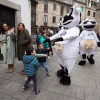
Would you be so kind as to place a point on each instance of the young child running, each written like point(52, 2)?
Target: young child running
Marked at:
point(43, 60)
point(31, 66)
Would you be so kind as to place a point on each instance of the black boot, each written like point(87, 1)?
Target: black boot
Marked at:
point(60, 73)
point(81, 63)
point(90, 59)
point(65, 80)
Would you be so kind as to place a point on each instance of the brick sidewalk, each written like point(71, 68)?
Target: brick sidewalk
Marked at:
point(85, 82)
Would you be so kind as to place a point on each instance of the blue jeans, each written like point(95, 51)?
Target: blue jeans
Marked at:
point(44, 64)
point(33, 77)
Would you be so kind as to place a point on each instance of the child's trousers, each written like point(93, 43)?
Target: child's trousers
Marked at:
point(44, 64)
point(33, 77)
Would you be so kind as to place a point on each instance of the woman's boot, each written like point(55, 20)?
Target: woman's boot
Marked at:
point(11, 68)
point(22, 72)
point(8, 68)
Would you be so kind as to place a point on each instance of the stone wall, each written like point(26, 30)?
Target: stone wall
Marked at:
point(51, 12)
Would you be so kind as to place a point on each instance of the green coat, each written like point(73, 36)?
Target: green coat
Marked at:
point(8, 47)
point(22, 41)
point(41, 40)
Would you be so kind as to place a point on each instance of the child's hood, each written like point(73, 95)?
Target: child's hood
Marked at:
point(28, 58)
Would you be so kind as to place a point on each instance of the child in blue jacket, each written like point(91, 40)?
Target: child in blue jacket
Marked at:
point(31, 66)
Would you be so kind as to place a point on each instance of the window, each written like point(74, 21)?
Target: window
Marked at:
point(7, 15)
point(54, 6)
point(54, 19)
point(91, 3)
point(61, 10)
point(46, 7)
point(93, 14)
point(60, 18)
point(88, 13)
point(81, 9)
point(45, 20)
point(95, 4)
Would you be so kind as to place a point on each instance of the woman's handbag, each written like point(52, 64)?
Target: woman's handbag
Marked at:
point(89, 44)
point(58, 48)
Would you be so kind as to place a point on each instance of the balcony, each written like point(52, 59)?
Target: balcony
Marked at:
point(81, 1)
point(65, 1)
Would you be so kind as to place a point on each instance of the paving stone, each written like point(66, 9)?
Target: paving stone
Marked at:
point(92, 94)
point(44, 83)
point(5, 97)
point(70, 98)
point(4, 84)
point(16, 77)
point(56, 87)
point(98, 84)
point(85, 82)
point(1, 80)
point(56, 78)
point(6, 75)
point(46, 95)
point(15, 90)
point(3, 68)
point(75, 91)
point(15, 99)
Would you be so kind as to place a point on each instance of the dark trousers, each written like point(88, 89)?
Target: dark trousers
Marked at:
point(50, 47)
point(33, 77)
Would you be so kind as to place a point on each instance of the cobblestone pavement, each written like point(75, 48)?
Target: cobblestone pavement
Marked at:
point(85, 82)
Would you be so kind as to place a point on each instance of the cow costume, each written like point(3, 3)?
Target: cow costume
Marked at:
point(88, 42)
point(67, 43)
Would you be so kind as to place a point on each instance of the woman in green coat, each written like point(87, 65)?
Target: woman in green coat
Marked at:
point(42, 38)
point(8, 38)
point(23, 40)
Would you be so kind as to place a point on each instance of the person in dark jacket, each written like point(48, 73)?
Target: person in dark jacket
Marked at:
point(43, 60)
point(31, 66)
point(23, 40)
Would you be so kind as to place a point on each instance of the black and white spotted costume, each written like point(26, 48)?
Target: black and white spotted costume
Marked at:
point(88, 33)
point(68, 36)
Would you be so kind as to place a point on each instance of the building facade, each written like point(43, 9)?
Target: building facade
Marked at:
point(98, 17)
point(98, 13)
point(91, 9)
point(16, 11)
point(50, 12)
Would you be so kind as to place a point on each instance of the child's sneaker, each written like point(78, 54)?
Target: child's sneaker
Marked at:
point(24, 89)
point(37, 91)
point(49, 57)
point(48, 74)
point(31, 82)
point(52, 53)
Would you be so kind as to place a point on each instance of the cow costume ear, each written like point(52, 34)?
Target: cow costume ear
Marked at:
point(76, 9)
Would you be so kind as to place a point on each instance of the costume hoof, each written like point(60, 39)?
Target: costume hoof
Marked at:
point(65, 80)
point(91, 60)
point(60, 73)
point(81, 63)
